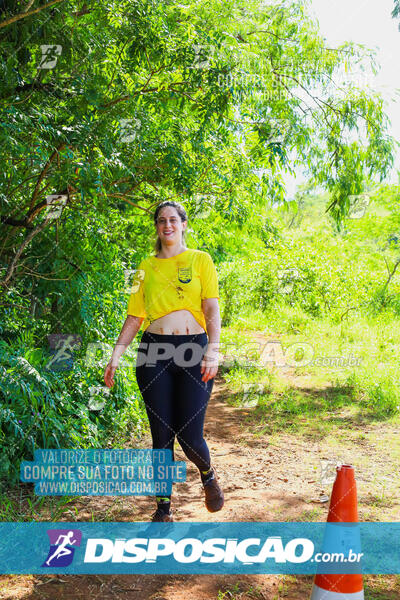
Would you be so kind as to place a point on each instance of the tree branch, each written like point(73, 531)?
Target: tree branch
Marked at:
point(143, 90)
point(15, 222)
point(18, 253)
point(27, 7)
point(43, 174)
point(122, 197)
point(397, 263)
point(27, 14)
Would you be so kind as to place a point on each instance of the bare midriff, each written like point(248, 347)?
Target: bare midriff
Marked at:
point(178, 322)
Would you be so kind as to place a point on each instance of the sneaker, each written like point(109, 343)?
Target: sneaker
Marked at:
point(214, 495)
point(159, 516)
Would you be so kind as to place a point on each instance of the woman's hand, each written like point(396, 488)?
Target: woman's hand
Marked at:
point(109, 374)
point(209, 366)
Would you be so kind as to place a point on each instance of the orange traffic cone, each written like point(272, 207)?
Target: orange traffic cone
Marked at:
point(342, 509)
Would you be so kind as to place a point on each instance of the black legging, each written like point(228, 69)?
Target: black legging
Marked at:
point(174, 394)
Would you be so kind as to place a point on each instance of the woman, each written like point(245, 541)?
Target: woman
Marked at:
point(176, 295)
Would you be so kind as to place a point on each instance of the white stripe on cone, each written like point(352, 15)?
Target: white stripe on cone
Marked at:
point(320, 594)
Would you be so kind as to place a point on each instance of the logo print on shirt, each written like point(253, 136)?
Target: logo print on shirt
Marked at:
point(185, 274)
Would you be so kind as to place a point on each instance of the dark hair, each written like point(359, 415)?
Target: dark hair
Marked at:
point(181, 212)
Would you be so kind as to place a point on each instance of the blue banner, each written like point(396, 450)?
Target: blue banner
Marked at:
point(200, 548)
point(99, 472)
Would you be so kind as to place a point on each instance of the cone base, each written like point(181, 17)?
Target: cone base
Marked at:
point(320, 594)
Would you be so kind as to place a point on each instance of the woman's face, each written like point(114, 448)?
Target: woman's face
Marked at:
point(170, 226)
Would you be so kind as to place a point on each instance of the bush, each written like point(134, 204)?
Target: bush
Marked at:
point(234, 285)
point(40, 408)
point(381, 397)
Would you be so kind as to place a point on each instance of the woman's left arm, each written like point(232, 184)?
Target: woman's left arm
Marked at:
point(209, 364)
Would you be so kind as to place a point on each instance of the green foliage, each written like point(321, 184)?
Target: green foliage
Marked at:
point(316, 269)
point(138, 101)
point(40, 408)
point(233, 279)
point(339, 292)
point(381, 397)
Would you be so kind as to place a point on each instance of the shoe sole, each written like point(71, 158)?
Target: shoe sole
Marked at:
point(214, 510)
point(171, 520)
point(219, 507)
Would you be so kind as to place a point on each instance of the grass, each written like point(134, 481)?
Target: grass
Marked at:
point(240, 591)
point(21, 504)
point(311, 412)
point(349, 413)
point(368, 383)
point(381, 587)
point(373, 342)
point(376, 587)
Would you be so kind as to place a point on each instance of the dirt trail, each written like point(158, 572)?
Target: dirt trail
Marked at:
point(252, 476)
point(264, 479)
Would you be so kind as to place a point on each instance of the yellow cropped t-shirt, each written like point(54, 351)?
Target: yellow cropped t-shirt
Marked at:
point(163, 285)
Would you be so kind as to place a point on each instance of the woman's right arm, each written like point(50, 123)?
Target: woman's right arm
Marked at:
point(128, 332)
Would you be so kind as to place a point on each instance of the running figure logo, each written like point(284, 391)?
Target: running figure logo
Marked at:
point(61, 552)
